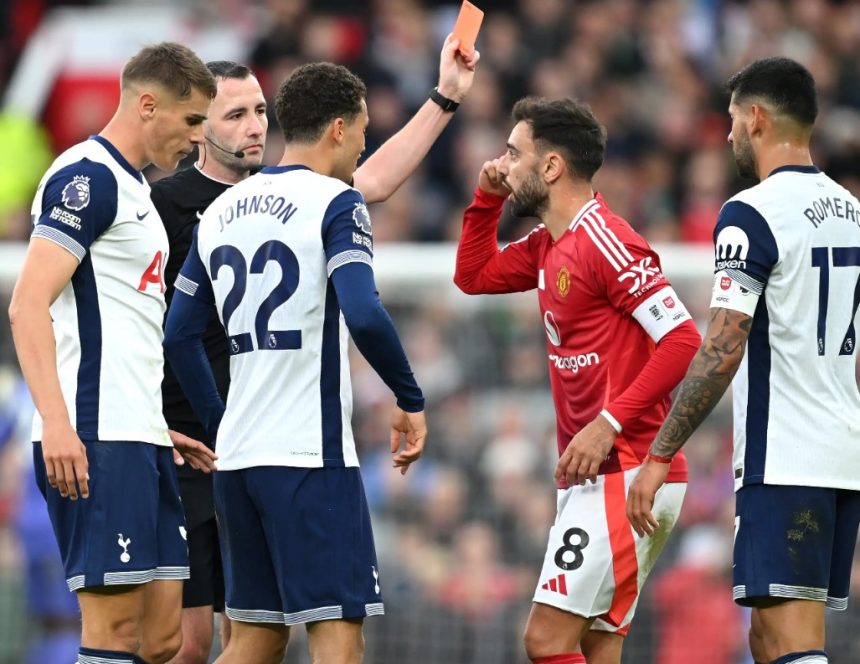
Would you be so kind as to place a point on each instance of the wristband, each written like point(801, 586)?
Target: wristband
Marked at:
point(658, 459)
point(615, 423)
point(447, 105)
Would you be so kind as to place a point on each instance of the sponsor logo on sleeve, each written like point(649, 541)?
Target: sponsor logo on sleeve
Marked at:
point(640, 274)
point(725, 283)
point(76, 194)
point(669, 302)
point(361, 217)
point(733, 245)
point(655, 312)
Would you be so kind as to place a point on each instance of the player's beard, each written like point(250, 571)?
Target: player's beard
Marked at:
point(744, 156)
point(531, 198)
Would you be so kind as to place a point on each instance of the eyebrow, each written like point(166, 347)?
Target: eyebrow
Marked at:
point(196, 116)
point(511, 146)
point(238, 109)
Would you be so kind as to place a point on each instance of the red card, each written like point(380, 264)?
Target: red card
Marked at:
point(467, 26)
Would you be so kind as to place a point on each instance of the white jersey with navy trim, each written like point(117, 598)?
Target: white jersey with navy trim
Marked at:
point(108, 320)
point(788, 254)
point(263, 254)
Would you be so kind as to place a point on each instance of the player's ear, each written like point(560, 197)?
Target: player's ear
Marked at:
point(337, 130)
point(553, 167)
point(146, 104)
point(758, 119)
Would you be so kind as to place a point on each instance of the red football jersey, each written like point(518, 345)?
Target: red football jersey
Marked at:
point(603, 299)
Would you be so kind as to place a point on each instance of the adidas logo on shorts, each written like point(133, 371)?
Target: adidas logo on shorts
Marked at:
point(556, 585)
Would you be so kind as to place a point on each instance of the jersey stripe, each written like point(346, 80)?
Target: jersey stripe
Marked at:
point(90, 339)
point(332, 419)
point(58, 237)
point(599, 244)
point(614, 238)
point(758, 395)
point(344, 257)
point(625, 566)
point(593, 203)
point(611, 242)
point(186, 285)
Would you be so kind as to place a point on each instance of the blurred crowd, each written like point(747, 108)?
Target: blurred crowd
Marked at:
point(461, 539)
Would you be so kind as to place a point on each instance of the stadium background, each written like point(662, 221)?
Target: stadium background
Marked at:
point(461, 537)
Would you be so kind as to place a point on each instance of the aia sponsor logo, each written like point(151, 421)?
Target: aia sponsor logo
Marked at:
point(154, 273)
point(562, 281)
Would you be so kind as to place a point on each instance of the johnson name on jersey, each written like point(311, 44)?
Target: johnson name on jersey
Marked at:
point(263, 255)
point(788, 254)
point(107, 320)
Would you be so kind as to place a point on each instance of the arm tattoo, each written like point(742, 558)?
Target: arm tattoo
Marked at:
point(707, 379)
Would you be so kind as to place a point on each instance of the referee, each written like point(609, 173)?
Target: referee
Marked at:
point(235, 138)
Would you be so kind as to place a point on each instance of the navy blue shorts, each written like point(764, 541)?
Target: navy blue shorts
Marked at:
point(794, 542)
point(297, 545)
point(131, 529)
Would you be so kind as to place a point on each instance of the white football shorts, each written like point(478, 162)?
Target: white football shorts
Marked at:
point(595, 563)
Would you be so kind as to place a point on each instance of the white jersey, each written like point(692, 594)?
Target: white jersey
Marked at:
point(108, 318)
point(788, 254)
point(263, 253)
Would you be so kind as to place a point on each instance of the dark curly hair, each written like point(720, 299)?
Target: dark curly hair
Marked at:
point(568, 126)
point(314, 95)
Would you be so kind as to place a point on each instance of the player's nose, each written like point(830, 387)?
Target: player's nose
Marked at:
point(196, 136)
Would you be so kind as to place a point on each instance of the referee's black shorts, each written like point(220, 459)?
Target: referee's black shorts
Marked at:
point(206, 585)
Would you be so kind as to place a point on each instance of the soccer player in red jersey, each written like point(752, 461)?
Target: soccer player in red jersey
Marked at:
point(618, 341)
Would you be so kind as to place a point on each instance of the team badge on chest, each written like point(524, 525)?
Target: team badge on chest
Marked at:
point(562, 281)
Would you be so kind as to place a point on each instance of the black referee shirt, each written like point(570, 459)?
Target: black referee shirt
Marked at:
point(180, 200)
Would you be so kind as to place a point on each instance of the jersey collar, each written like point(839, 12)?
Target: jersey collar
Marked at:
point(117, 155)
point(796, 169)
point(285, 169)
point(585, 209)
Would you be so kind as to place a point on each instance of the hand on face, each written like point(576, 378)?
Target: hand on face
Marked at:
point(491, 179)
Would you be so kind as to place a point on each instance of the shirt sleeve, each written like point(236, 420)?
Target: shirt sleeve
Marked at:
point(481, 266)
point(346, 231)
point(193, 280)
point(190, 312)
point(374, 334)
point(629, 273)
point(79, 203)
point(745, 252)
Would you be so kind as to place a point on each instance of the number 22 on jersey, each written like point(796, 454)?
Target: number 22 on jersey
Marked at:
point(266, 339)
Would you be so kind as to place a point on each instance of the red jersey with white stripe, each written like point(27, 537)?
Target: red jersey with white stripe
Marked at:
point(606, 306)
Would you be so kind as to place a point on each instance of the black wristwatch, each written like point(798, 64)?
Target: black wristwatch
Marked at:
point(447, 105)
